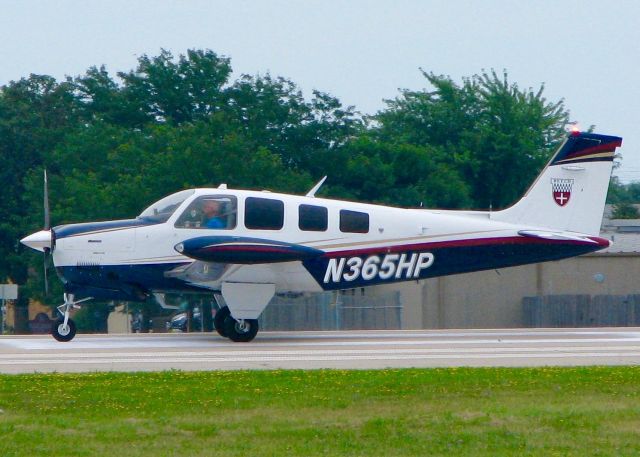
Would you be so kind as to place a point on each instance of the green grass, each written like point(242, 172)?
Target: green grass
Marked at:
point(463, 411)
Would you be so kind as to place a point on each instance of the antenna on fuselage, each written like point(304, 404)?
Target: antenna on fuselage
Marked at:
point(314, 189)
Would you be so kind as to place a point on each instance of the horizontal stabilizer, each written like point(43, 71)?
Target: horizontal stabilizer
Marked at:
point(564, 237)
point(244, 250)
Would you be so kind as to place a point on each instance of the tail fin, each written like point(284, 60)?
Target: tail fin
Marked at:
point(570, 192)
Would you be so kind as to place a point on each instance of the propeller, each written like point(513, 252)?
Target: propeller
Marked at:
point(44, 240)
point(47, 227)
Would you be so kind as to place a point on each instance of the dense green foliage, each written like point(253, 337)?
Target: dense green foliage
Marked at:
point(623, 193)
point(497, 136)
point(114, 144)
point(454, 411)
point(624, 211)
point(622, 197)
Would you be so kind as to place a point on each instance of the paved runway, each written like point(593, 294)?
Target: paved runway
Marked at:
point(308, 350)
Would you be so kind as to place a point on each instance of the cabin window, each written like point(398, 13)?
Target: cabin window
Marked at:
point(263, 214)
point(213, 212)
point(354, 221)
point(312, 218)
point(162, 210)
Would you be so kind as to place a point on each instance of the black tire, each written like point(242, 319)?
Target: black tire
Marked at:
point(56, 330)
point(238, 334)
point(218, 320)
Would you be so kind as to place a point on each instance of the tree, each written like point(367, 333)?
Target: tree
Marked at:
point(397, 174)
point(623, 193)
point(273, 113)
point(625, 211)
point(496, 135)
point(177, 92)
point(35, 114)
point(114, 144)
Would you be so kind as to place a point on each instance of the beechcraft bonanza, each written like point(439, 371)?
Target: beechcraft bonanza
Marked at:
point(246, 246)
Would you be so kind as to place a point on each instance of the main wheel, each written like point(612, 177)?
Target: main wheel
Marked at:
point(62, 333)
point(218, 320)
point(240, 332)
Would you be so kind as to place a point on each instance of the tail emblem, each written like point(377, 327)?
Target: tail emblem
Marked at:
point(561, 190)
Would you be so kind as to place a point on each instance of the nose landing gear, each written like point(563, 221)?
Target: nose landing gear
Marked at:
point(64, 329)
point(63, 332)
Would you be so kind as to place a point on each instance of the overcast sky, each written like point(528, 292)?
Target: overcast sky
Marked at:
point(587, 52)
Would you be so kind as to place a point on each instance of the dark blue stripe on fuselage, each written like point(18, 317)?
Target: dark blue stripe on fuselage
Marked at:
point(62, 231)
point(124, 282)
point(132, 282)
point(446, 261)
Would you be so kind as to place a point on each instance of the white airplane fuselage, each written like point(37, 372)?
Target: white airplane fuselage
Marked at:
point(400, 245)
point(249, 245)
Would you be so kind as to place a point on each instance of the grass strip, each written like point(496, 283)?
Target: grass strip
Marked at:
point(393, 412)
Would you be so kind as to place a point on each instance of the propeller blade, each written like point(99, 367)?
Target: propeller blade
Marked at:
point(47, 226)
point(47, 220)
point(46, 268)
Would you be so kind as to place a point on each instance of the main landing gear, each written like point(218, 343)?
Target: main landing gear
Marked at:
point(243, 304)
point(238, 330)
point(64, 329)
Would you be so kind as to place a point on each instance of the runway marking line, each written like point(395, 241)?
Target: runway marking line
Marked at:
point(321, 358)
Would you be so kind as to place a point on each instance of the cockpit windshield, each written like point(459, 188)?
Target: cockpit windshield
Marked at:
point(162, 210)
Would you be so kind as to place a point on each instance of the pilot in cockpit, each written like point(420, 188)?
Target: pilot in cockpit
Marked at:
point(212, 211)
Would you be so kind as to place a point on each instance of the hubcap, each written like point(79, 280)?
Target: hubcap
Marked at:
point(242, 326)
point(64, 329)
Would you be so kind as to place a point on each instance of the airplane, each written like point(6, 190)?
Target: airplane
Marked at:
point(244, 246)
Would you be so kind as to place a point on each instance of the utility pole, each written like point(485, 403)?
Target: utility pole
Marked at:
point(7, 292)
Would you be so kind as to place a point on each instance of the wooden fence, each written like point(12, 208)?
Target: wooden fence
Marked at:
point(581, 311)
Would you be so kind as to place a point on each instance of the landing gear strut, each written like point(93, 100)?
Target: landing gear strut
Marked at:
point(64, 329)
point(245, 302)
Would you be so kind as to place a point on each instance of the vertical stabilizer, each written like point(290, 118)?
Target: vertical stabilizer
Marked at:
point(570, 192)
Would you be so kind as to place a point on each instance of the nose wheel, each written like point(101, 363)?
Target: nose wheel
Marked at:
point(64, 329)
point(63, 332)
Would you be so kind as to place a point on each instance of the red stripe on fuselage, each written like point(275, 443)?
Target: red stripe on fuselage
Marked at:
point(250, 249)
